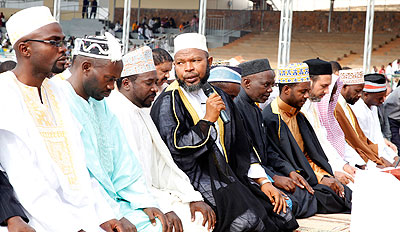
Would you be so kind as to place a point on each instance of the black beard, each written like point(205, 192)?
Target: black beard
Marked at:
point(315, 99)
point(195, 87)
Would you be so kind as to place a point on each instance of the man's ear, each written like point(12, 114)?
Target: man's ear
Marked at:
point(126, 84)
point(24, 49)
point(286, 90)
point(210, 60)
point(86, 66)
point(246, 83)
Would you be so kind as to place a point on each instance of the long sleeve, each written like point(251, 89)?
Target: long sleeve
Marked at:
point(184, 141)
point(9, 205)
point(352, 157)
point(35, 193)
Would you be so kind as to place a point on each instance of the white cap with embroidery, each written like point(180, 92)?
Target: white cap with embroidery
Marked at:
point(138, 61)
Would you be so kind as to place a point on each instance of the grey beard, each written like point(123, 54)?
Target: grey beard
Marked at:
point(315, 99)
point(191, 88)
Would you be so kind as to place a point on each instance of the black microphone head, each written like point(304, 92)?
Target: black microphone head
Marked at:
point(207, 88)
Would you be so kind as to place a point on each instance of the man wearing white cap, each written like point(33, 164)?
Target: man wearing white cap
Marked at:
point(169, 184)
point(351, 92)
point(40, 146)
point(96, 65)
point(216, 155)
point(289, 131)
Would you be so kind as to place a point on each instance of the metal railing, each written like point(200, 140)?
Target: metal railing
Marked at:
point(223, 25)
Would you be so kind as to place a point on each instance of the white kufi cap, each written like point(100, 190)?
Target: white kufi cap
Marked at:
point(28, 20)
point(190, 40)
point(138, 61)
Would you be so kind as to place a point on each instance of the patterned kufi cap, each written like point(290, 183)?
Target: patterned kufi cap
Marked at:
point(225, 74)
point(293, 73)
point(352, 76)
point(28, 20)
point(138, 61)
point(100, 47)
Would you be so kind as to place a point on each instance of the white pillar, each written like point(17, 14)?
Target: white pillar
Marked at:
point(285, 33)
point(369, 31)
point(57, 9)
point(202, 17)
point(138, 14)
point(330, 16)
point(126, 26)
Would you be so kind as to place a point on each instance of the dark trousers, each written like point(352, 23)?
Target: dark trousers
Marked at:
point(93, 12)
point(395, 129)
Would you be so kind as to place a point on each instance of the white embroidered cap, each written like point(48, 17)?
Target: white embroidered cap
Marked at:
point(28, 20)
point(100, 47)
point(138, 61)
point(190, 40)
point(352, 76)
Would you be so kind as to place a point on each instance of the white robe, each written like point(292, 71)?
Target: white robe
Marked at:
point(369, 123)
point(49, 176)
point(309, 109)
point(169, 184)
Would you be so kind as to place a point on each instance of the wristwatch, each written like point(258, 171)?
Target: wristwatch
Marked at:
point(264, 182)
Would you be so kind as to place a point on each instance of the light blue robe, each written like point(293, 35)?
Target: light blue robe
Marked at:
point(111, 161)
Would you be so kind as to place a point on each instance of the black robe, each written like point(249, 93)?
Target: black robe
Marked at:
point(304, 203)
point(9, 205)
point(222, 179)
point(279, 134)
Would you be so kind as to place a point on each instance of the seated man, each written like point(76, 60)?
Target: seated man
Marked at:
point(353, 81)
point(321, 76)
point(226, 78)
point(215, 155)
point(97, 63)
point(290, 131)
point(169, 184)
point(40, 148)
point(11, 212)
point(256, 86)
point(366, 111)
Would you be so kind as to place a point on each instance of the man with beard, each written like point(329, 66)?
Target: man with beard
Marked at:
point(320, 72)
point(97, 64)
point(290, 131)
point(216, 155)
point(41, 151)
point(256, 86)
point(353, 81)
point(226, 78)
point(169, 184)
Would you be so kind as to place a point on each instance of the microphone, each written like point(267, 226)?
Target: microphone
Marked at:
point(208, 90)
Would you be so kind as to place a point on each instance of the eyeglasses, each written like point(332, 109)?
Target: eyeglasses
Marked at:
point(58, 43)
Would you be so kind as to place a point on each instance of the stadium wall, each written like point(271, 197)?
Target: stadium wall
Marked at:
point(313, 21)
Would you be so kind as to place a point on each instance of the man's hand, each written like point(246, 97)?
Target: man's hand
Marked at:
point(112, 226)
point(153, 213)
point(127, 225)
point(350, 170)
point(16, 224)
point(214, 105)
point(334, 184)
point(391, 145)
point(395, 160)
point(275, 196)
point(174, 222)
point(343, 178)
point(208, 214)
point(285, 183)
point(300, 181)
point(386, 163)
